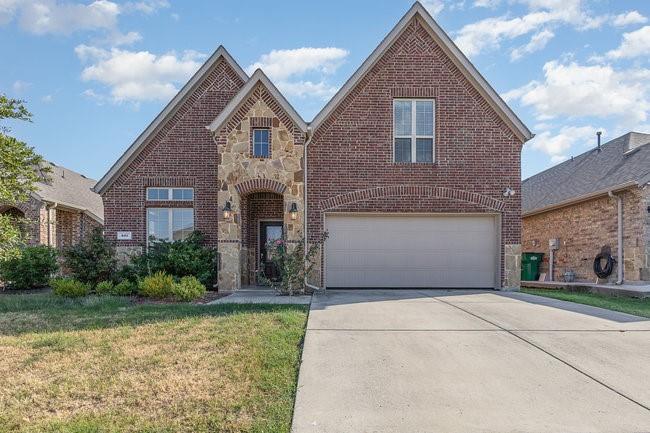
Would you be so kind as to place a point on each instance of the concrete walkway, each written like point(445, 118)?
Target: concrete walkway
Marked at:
point(470, 361)
point(261, 295)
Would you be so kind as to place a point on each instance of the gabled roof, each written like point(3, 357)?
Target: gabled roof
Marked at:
point(451, 50)
point(621, 163)
point(166, 113)
point(72, 190)
point(258, 77)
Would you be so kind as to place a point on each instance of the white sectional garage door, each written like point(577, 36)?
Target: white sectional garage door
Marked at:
point(397, 251)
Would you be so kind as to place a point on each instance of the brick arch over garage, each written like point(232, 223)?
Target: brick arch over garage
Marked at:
point(260, 185)
point(412, 190)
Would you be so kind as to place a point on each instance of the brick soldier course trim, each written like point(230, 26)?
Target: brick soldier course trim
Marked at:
point(412, 191)
point(260, 185)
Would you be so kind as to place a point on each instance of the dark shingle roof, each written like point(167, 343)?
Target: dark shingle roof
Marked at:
point(624, 159)
point(72, 189)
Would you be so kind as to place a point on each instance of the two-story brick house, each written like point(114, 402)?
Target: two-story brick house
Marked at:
point(412, 168)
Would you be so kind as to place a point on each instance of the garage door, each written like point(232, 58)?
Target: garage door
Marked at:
point(453, 251)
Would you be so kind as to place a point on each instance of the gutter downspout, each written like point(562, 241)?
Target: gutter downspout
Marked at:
point(305, 221)
point(619, 205)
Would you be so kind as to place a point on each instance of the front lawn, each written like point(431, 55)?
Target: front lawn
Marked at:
point(638, 307)
point(107, 364)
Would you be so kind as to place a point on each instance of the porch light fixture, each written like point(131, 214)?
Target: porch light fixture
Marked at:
point(293, 212)
point(227, 210)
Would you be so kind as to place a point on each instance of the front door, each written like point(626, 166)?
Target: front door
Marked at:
point(269, 231)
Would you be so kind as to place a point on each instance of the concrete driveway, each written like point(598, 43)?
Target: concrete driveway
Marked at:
point(470, 361)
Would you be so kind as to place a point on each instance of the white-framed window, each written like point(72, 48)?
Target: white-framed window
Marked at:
point(169, 224)
point(170, 194)
point(261, 145)
point(414, 130)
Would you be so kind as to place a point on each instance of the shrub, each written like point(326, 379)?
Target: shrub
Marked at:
point(91, 260)
point(159, 286)
point(13, 236)
point(31, 268)
point(104, 288)
point(69, 287)
point(292, 263)
point(123, 288)
point(188, 289)
point(187, 257)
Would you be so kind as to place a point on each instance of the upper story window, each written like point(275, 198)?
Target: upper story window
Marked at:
point(413, 130)
point(164, 194)
point(261, 148)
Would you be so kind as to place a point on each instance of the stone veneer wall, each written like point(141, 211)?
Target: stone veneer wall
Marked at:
point(284, 167)
point(586, 228)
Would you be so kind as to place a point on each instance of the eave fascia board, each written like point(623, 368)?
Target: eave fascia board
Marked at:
point(258, 77)
point(451, 50)
point(582, 198)
point(169, 110)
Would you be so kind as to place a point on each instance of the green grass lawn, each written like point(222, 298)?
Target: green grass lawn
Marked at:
point(104, 364)
point(638, 307)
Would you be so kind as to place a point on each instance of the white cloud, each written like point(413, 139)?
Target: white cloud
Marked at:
point(288, 68)
point(49, 16)
point(302, 89)
point(489, 33)
point(42, 17)
point(574, 90)
point(486, 3)
point(634, 44)
point(282, 64)
point(137, 75)
point(434, 7)
point(557, 145)
point(146, 6)
point(626, 19)
point(116, 39)
point(47, 99)
point(537, 42)
point(20, 86)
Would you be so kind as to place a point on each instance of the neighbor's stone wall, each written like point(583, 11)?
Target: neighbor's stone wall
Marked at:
point(586, 228)
point(237, 166)
point(476, 155)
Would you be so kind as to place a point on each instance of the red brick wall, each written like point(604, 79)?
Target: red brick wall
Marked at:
point(474, 150)
point(584, 229)
point(182, 153)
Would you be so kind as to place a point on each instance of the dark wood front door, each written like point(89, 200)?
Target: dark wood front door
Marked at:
point(269, 231)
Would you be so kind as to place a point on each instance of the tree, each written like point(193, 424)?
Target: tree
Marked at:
point(20, 169)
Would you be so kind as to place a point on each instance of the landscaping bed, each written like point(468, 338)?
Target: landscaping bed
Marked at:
point(111, 364)
point(638, 307)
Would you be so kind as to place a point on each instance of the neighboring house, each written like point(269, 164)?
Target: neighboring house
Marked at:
point(577, 203)
point(410, 168)
point(62, 210)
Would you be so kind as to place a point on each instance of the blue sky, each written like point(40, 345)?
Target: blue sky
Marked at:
point(95, 73)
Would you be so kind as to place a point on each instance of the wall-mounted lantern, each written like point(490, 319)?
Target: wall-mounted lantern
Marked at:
point(293, 212)
point(227, 210)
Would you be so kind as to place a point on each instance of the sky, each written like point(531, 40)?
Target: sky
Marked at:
point(96, 73)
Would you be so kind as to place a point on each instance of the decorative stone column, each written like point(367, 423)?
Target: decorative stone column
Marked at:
point(512, 268)
point(229, 246)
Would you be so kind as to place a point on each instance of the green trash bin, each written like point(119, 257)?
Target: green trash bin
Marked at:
point(530, 264)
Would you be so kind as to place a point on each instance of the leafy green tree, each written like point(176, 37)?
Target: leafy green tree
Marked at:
point(20, 169)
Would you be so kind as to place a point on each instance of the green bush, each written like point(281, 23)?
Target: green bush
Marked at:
point(187, 257)
point(104, 288)
point(31, 268)
point(188, 289)
point(158, 286)
point(69, 287)
point(92, 260)
point(124, 288)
